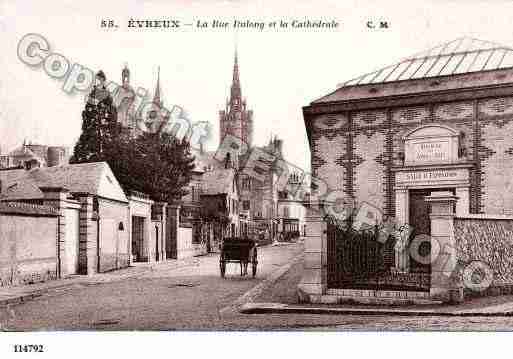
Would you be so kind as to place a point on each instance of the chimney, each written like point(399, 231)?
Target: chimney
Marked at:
point(227, 161)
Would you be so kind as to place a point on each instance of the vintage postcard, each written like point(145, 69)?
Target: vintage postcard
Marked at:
point(257, 166)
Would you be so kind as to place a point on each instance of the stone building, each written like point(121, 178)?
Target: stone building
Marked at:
point(220, 198)
point(90, 187)
point(292, 204)
point(258, 196)
point(31, 155)
point(74, 219)
point(425, 142)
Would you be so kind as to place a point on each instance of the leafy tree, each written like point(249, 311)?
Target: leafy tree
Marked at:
point(163, 165)
point(155, 163)
point(100, 128)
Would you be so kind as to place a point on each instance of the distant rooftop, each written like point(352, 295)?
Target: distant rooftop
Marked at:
point(463, 55)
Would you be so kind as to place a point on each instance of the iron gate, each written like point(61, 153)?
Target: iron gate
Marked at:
point(357, 260)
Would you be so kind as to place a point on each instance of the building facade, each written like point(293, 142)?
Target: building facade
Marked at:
point(292, 205)
point(399, 140)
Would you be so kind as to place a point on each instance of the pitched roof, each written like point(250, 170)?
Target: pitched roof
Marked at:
point(95, 178)
point(218, 181)
point(463, 55)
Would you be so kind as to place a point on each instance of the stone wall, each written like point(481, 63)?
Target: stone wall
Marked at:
point(28, 244)
point(185, 247)
point(114, 251)
point(489, 240)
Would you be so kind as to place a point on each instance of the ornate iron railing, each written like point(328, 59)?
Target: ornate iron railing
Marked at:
point(357, 260)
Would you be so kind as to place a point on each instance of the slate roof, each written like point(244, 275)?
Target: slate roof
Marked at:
point(461, 63)
point(218, 181)
point(463, 55)
point(95, 178)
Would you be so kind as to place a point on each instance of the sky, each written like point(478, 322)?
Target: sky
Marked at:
point(281, 70)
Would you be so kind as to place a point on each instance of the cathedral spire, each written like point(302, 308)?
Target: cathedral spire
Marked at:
point(156, 97)
point(236, 119)
point(236, 92)
point(236, 68)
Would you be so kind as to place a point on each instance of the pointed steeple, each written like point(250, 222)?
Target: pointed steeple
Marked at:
point(156, 97)
point(236, 69)
point(236, 95)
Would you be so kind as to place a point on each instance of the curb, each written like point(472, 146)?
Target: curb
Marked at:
point(248, 297)
point(85, 280)
point(20, 298)
point(279, 308)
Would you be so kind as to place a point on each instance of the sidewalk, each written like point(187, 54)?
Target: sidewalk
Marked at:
point(281, 298)
point(20, 294)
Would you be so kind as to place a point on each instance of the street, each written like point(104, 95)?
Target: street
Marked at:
point(195, 297)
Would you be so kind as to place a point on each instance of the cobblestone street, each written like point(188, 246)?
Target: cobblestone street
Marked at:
point(194, 297)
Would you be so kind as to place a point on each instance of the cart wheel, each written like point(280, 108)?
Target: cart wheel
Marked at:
point(254, 263)
point(222, 267)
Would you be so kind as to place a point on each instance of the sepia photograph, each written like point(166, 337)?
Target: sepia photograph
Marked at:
point(242, 172)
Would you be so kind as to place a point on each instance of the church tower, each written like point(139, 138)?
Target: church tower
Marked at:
point(125, 77)
point(236, 119)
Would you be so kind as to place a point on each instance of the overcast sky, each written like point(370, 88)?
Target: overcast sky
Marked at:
point(280, 71)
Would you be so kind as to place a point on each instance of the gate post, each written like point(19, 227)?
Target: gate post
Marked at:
point(56, 197)
point(88, 248)
point(402, 256)
point(313, 283)
point(443, 247)
point(172, 223)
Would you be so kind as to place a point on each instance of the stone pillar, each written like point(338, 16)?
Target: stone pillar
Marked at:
point(402, 212)
point(443, 244)
point(148, 244)
point(463, 203)
point(159, 213)
point(56, 197)
point(313, 284)
point(88, 246)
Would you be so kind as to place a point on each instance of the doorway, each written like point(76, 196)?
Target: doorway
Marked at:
point(421, 224)
point(138, 239)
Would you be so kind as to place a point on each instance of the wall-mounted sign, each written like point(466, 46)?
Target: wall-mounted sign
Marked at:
point(432, 176)
point(431, 144)
point(431, 151)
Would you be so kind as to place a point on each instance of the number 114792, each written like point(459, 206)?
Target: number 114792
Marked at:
point(28, 348)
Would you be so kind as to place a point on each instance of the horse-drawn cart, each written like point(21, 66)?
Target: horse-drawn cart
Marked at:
point(238, 250)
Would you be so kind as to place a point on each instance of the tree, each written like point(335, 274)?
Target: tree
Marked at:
point(100, 128)
point(164, 165)
point(155, 163)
